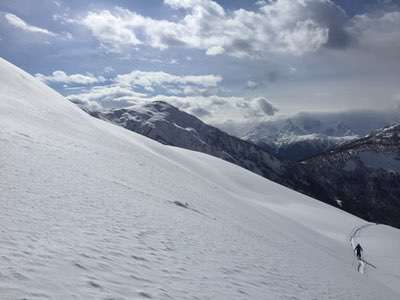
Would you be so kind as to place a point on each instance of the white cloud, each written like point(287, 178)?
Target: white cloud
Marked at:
point(208, 6)
point(215, 50)
point(108, 70)
point(112, 29)
point(85, 104)
point(62, 77)
point(124, 88)
point(250, 84)
point(188, 84)
point(21, 24)
point(196, 94)
point(216, 109)
point(283, 26)
point(110, 96)
point(260, 3)
point(67, 36)
point(378, 32)
point(213, 108)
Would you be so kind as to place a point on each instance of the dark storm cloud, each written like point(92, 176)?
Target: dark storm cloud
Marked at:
point(333, 17)
point(266, 107)
point(273, 76)
point(200, 112)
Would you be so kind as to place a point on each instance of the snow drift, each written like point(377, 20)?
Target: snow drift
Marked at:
point(89, 210)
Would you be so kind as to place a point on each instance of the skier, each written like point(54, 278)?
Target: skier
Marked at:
point(358, 249)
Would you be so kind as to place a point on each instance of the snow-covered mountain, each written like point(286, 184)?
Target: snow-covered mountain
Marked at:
point(364, 175)
point(171, 126)
point(89, 210)
point(308, 134)
point(378, 150)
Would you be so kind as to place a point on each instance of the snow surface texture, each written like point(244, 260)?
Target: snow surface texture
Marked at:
point(89, 210)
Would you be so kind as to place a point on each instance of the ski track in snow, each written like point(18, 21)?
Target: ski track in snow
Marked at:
point(89, 210)
point(356, 230)
point(360, 263)
point(383, 251)
point(353, 235)
point(361, 267)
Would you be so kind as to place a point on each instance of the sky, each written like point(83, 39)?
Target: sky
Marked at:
point(223, 61)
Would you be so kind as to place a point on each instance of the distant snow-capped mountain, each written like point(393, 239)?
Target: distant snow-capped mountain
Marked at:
point(171, 126)
point(378, 150)
point(288, 140)
point(307, 134)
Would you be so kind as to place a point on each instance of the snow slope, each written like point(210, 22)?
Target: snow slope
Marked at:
point(88, 211)
point(171, 126)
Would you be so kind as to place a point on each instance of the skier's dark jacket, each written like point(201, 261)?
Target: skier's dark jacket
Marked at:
point(358, 250)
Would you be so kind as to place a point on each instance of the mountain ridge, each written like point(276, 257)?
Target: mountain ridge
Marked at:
point(169, 125)
point(363, 175)
point(303, 135)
